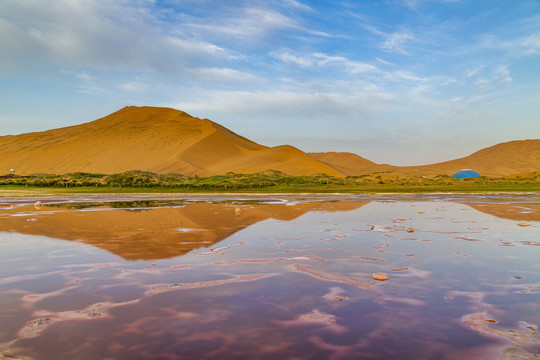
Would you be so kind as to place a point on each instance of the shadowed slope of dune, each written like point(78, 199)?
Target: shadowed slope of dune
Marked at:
point(160, 140)
point(345, 162)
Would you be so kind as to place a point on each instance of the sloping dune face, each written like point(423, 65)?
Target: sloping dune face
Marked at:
point(347, 163)
point(160, 140)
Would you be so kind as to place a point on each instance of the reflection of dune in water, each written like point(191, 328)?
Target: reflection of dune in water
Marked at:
point(518, 212)
point(153, 233)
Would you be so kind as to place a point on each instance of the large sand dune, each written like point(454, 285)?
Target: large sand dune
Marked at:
point(160, 140)
point(164, 140)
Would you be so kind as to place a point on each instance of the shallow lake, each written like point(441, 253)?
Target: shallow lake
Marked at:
point(270, 277)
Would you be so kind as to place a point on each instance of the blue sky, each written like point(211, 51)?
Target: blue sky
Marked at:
point(403, 82)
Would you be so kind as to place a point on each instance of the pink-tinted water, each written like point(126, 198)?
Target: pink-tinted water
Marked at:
point(288, 279)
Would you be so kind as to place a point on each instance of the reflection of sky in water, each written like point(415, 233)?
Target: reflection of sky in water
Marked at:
point(266, 281)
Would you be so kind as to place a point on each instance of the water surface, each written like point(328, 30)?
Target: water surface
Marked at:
point(270, 277)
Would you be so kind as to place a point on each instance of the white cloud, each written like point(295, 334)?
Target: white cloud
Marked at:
point(286, 105)
point(384, 62)
point(474, 71)
point(404, 75)
point(413, 4)
point(221, 74)
point(249, 24)
point(84, 76)
point(304, 61)
point(321, 59)
point(396, 42)
point(530, 45)
point(499, 75)
point(97, 35)
point(502, 74)
point(297, 4)
point(133, 86)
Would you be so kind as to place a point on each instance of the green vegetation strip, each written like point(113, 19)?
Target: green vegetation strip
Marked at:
point(270, 181)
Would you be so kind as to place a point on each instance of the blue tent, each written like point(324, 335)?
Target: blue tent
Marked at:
point(466, 173)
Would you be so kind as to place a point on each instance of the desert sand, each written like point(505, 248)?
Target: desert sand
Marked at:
point(164, 140)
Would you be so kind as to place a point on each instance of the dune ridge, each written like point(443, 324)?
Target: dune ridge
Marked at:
point(164, 140)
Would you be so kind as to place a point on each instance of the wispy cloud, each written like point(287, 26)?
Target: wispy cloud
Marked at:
point(413, 4)
point(298, 5)
point(396, 43)
point(94, 35)
point(380, 67)
point(496, 77)
point(502, 74)
point(287, 105)
point(393, 42)
point(133, 86)
point(252, 24)
point(525, 46)
point(475, 71)
point(320, 60)
point(221, 74)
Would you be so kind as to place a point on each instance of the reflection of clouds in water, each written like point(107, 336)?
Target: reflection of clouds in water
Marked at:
point(160, 288)
point(524, 335)
point(314, 318)
point(189, 230)
point(404, 300)
point(44, 318)
point(412, 272)
point(476, 301)
point(283, 315)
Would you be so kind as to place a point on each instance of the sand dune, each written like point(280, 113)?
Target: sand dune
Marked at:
point(345, 162)
point(514, 157)
point(164, 140)
point(503, 159)
point(160, 140)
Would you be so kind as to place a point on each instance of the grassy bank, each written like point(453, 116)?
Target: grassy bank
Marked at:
point(265, 182)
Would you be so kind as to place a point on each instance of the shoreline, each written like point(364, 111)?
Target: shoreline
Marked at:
point(8, 196)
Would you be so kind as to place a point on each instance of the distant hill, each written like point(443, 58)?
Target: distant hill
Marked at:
point(514, 157)
point(505, 159)
point(164, 140)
